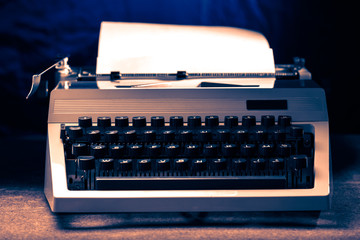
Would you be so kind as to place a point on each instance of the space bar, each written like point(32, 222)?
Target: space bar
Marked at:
point(190, 183)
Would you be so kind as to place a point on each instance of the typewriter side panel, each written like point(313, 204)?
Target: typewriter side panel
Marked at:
point(311, 108)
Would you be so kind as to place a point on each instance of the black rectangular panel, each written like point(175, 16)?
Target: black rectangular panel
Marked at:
point(266, 105)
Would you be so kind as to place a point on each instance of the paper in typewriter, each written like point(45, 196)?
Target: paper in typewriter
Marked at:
point(156, 48)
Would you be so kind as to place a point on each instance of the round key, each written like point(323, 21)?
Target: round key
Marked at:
point(162, 165)
point(176, 121)
point(149, 135)
point(210, 150)
point(199, 165)
point(121, 121)
point(277, 164)
point(296, 131)
point(135, 150)
point(248, 121)
point(144, 165)
point(181, 164)
point(258, 164)
point(229, 150)
point(153, 150)
point(247, 150)
point(266, 150)
point(279, 135)
point(168, 135)
point(211, 121)
point(125, 165)
point(116, 150)
point(284, 150)
point(98, 150)
point(86, 162)
point(79, 149)
point(284, 121)
point(218, 164)
point(239, 164)
point(75, 132)
point(104, 122)
point(231, 121)
point(260, 135)
point(268, 121)
point(139, 121)
point(106, 164)
point(85, 121)
point(172, 150)
point(93, 135)
point(223, 135)
point(194, 121)
point(130, 136)
point(186, 135)
point(157, 121)
point(191, 150)
point(111, 136)
point(242, 135)
point(298, 162)
point(205, 135)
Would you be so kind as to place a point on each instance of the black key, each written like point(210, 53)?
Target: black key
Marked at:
point(75, 132)
point(79, 149)
point(139, 122)
point(125, 165)
point(223, 135)
point(176, 121)
point(279, 135)
point(135, 150)
point(98, 150)
point(85, 121)
point(149, 135)
point(93, 136)
point(284, 150)
point(218, 164)
point(144, 165)
point(116, 150)
point(130, 136)
point(86, 162)
point(181, 164)
point(268, 121)
point(172, 150)
point(266, 150)
point(258, 164)
point(210, 150)
point(157, 121)
point(296, 131)
point(297, 162)
point(106, 164)
point(277, 164)
point(162, 165)
point(205, 135)
point(211, 121)
point(284, 121)
point(198, 165)
point(239, 164)
point(168, 135)
point(153, 150)
point(121, 121)
point(191, 150)
point(260, 135)
point(186, 135)
point(242, 135)
point(248, 121)
point(111, 136)
point(229, 150)
point(247, 150)
point(231, 121)
point(104, 122)
point(194, 121)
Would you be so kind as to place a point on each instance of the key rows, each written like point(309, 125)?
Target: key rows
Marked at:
point(190, 166)
point(178, 121)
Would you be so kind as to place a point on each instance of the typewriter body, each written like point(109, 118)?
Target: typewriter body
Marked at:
point(217, 146)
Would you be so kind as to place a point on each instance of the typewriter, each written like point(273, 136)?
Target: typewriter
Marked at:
point(186, 141)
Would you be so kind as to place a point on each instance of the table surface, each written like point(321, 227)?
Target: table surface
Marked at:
point(24, 212)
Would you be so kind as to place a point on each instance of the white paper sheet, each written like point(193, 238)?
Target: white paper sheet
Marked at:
point(157, 48)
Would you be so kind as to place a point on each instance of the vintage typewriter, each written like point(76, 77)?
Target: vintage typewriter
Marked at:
point(186, 141)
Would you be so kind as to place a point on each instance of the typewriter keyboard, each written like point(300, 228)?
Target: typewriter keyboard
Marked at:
point(188, 153)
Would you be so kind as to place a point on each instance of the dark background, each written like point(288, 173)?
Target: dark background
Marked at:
point(33, 33)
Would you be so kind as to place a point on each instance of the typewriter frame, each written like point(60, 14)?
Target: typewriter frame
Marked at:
point(306, 104)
